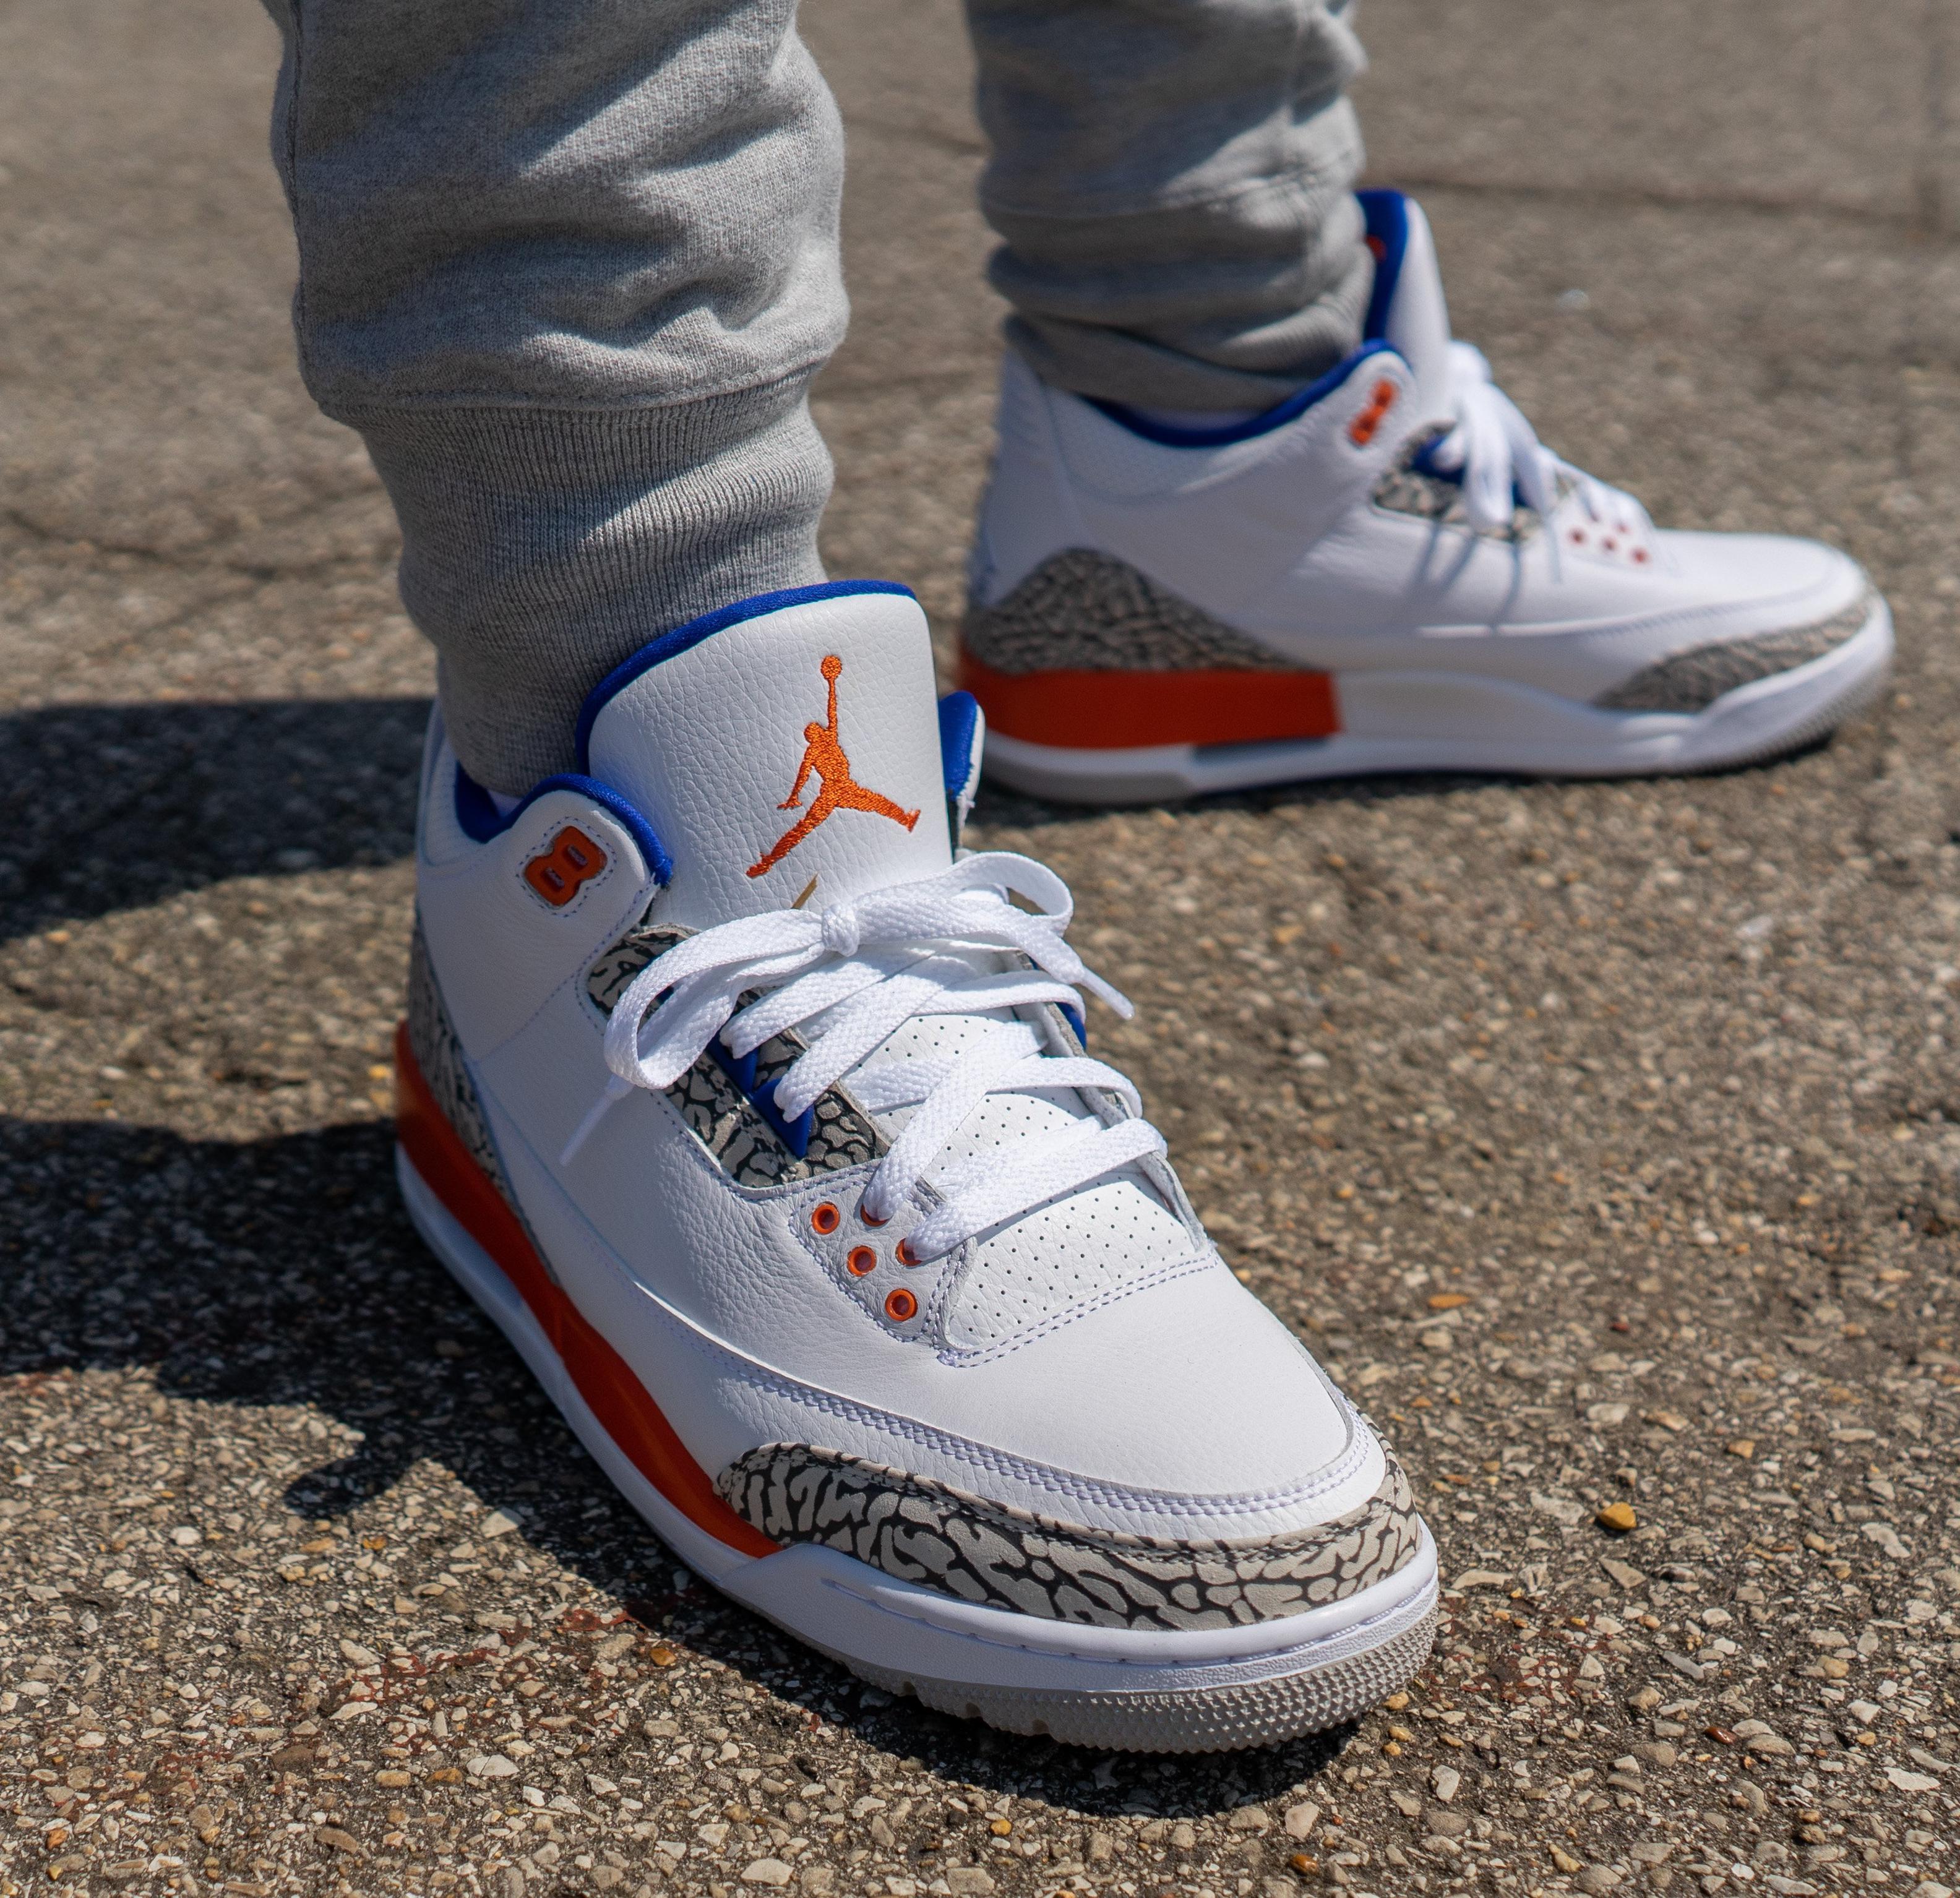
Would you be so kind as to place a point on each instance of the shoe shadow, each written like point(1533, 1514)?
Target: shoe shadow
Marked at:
point(283, 1272)
point(998, 807)
point(112, 807)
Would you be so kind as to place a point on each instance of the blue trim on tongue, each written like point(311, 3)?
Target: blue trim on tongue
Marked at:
point(477, 814)
point(1387, 215)
point(656, 651)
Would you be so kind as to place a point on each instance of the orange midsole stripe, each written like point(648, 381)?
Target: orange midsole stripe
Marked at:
point(1082, 710)
point(608, 1383)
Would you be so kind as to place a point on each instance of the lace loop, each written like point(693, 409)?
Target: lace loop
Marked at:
point(1501, 461)
point(849, 977)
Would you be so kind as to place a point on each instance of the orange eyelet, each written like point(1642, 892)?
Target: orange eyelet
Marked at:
point(906, 1255)
point(825, 1218)
point(868, 1220)
point(862, 1260)
point(900, 1305)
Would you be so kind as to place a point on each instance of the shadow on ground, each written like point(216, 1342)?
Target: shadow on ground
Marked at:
point(284, 1272)
point(112, 807)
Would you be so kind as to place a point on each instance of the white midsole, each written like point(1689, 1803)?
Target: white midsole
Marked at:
point(853, 1610)
point(1437, 721)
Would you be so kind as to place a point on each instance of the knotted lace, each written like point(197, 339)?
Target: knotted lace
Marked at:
point(1501, 460)
point(848, 977)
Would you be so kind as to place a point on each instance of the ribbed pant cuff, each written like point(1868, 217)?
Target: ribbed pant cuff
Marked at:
point(541, 547)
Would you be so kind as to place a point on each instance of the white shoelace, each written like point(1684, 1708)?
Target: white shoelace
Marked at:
point(1498, 451)
point(849, 977)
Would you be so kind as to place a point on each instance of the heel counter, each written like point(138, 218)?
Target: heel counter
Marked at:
point(432, 1041)
point(1026, 514)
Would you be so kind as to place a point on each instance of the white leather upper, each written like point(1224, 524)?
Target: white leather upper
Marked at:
point(1279, 537)
point(1093, 1359)
point(706, 744)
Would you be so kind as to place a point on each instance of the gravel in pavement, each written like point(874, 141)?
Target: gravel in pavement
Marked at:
point(1601, 1137)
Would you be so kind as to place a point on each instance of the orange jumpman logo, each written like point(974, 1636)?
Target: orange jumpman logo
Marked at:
point(839, 790)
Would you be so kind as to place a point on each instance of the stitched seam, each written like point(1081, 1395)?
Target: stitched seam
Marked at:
point(501, 402)
point(1308, 174)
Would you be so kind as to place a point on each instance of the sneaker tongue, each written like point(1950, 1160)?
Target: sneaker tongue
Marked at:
point(1411, 317)
point(787, 741)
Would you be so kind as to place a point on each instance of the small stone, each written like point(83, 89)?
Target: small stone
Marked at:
point(1305, 1863)
point(1564, 1861)
point(1437, 1340)
point(663, 1656)
point(361, 1657)
point(392, 1776)
point(817, 1878)
point(1250, 1819)
point(606, 1876)
point(1444, 1782)
point(339, 1840)
point(1910, 1781)
point(292, 1759)
point(960, 1879)
point(186, 1536)
point(1406, 1803)
point(1668, 1420)
point(1932, 1888)
point(496, 1618)
point(1608, 1414)
point(1618, 1517)
point(1743, 1446)
point(1300, 1821)
point(1597, 1879)
point(499, 1522)
point(1184, 1838)
point(492, 1765)
point(1483, 1578)
point(766, 1871)
point(1656, 1752)
point(1646, 1700)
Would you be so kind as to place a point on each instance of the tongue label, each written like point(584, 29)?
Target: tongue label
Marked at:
point(825, 758)
point(794, 751)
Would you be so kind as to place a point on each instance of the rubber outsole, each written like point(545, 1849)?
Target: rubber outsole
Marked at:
point(1418, 722)
point(1219, 1719)
point(1208, 1690)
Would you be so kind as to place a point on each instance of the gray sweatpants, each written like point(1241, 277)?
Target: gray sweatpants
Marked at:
point(569, 265)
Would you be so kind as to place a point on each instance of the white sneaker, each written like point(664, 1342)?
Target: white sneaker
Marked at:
point(759, 1120)
point(1386, 572)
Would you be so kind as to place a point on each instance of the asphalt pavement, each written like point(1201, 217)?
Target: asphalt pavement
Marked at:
point(1601, 1137)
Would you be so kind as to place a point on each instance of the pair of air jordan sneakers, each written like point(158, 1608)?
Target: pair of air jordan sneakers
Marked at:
point(760, 1114)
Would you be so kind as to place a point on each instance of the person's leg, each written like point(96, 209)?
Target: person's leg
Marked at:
point(1255, 516)
point(568, 267)
point(1173, 181)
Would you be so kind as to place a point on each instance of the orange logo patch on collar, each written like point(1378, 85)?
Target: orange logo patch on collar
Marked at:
point(838, 790)
point(571, 862)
